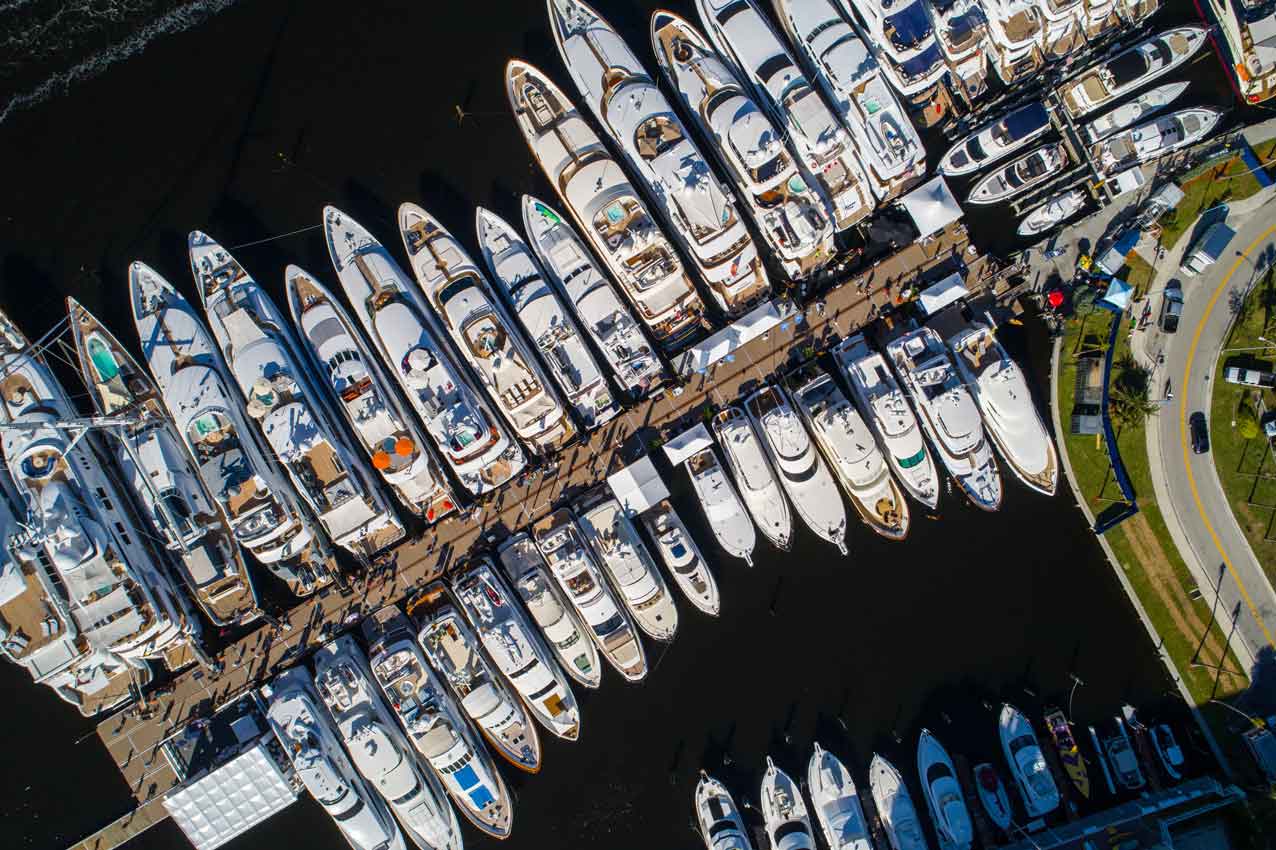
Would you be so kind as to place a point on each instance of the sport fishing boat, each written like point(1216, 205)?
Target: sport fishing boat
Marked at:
point(516, 648)
point(545, 320)
point(682, 557)
point(744, 37)
point(456, 653)
point(895, 806)
point(480, 328)
point(265, 512)
point(1124, 761)
point(1053, 212)
point(805, 478)
point(589, 293)
point(378, 748)
point(996, 140)
point(606, 207)
point(628, 564)
point(1155, 138)
point(311, 744)
point(787, 210)
point(435, 725)
point(393, 313)
point(901, 36)
point(993, 797)
point(837, 802)
point(721, 824)
point(1065, 743)
point(943, 793)
point(753, 475)
point(1020, 175)
point(1143, 106)
point(1027, 764)
point(566, 635)
point(1015, 30)
point(1001, 392)
point(887, 413)
point(162, 475)
point(1131, 69)
point(573, 567)
point(961, 30)
point(365, 398)
point(948, 414)
point(784, 814)
point(723, 510)
point(257, 344)
point(851, 451)
point(1062, 34)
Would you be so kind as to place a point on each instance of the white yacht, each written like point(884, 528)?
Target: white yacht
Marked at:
point(378, 748)
point(435, 724)
point(886, 411)
point(580, 578)
point(1155, 138)
point(785, 206)
point(475, 444)
point(961, 30)
point(723, 511)
point(943, 793)
point(851, 451)
point(361, 391)
point(516, 647)
point(901, 36)
point(321, 764)
point(841, 62)
point(948, 414)
point(895, 806)
point(1055, 211)
point(784, 814)
point(606, 207)
point(1003, 397)
point(802, 472)
point(753, 475)
point(1016, 29)
point(162, 474)
point(744, 37)
point(265, 513)
point(837, 802)
point(483, 332)
point(1062, 30)
point(456, 653)
point(1143, 106)
point(1099, 17)
point(1020, 175)
point(1131, 69)
point(1027, 763)
point(682, 557)
point(995, 140)
point(546, 321)
point(721, 825)
point(1248, 43)
point(589, 293)
point(570, 639)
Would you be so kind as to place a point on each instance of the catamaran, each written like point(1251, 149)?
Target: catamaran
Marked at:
point(943, 793)
point(725, 513)
point(682, 557)
point(1027, 764)
point(837, 802)
point(895, 806)
point(1131, 69)
point(753, 475)
point(784, 814)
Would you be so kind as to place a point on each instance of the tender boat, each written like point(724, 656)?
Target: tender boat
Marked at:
point(903, 40)
point(802, 472)
point(943, 793)
point(1001, 392)
point(1143, 106)
point(1027, 763)
point(996, 140)
point(264, 511)
point(591, 297)
point(572, 564)
point(1131, 69)
point(721, 825)
point(393, 313)
point(1020, 175)
point(783, 811)
point(545, 319)
point(516, 648)
point(1065, 743)
point(851, 451)
point(723, 511)
point(682, 557)
point(837, 802)
point(456, 653)
point(787, 211)
point(366, 399)
point(1168, 750)
point(895, 806)
point(1053, 212)
point(961, 30)
point(163, 476)
point(1123, 759)
point(753, 475)
point(948, 414)
point(569, 638)
point(606, 208)
point(1015, 30)
point(886, 411)
point(1155, 138)
point(992, 795)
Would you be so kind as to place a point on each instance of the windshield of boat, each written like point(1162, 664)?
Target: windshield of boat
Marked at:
point(910, 462)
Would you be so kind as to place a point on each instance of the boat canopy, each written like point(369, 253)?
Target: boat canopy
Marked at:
point(231, 799)
point(932, 206)
point(638, 486)
point(743, 330)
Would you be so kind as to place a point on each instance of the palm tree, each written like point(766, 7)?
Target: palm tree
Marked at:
point(1129, 405)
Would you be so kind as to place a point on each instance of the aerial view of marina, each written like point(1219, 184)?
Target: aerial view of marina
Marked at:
point(738, 424)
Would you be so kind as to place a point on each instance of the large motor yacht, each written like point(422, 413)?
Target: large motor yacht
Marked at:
point(682, 557)
point(900, 34)
point(1003, 397)
point(1023, 174)
point(995, 140)
point(570, 639)
point(163, 476)
point(784, 814)
point(788, 211)
point(475, 444)
point(1027, 763)
point(961, 30)
point(1131, 69)
point(1015, 29)
point(516, 647)
point(753, 475)
point(1132, 111)
point(1062, 31)
point(378, 748)
point(895, 806)
point(1248, 43)
point(606, 207)
point(719, 819)
point(546, 320)
point(1155, 139)
point(363, 394)
point(573, 567)
point(837, 802)
point(802, 471)
point(435, 724)
point(311, 744)
point(265, 512)
point(948, 414)
point(723, 511)
point(943, 793)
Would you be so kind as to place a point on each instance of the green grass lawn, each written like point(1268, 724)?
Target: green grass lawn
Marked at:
point(1216, 183)
point(1137, 273)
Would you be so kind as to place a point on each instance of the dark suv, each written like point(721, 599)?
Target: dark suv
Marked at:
point(1171, 306)
point(1200, 433)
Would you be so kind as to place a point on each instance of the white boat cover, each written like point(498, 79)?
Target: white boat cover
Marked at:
point(638, 487)
point(938, 296)
point(230, 799)
point(932, 206)
point(688, 443)
point(743, 330)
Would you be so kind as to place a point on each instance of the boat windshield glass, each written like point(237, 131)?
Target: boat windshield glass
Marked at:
point(611, 624)
point(910, 462)
point(907, 28)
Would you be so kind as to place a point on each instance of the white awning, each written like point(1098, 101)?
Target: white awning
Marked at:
point(638, 486)
point(688, 443)
point(230, 799)
point(938, 296)
point(932, 206)
point(748, 327)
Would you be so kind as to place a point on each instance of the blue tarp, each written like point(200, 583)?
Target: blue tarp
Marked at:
point(1102, 524)
point(1252, 163)
point(1116, 299)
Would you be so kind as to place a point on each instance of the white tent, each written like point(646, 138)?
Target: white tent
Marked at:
point(688, 443)
point(638, 486)
point(743, 330)
point(932, 206)
point(938, 296)
point(231, 799)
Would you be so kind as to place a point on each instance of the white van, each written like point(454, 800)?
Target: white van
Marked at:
point(1207, 249)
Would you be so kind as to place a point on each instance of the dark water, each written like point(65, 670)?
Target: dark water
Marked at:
point(244, 126)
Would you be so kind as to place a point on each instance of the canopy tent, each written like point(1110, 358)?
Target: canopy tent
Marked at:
point(1117, 298)
point(638, 486)
point(231, 799)
point(748, 327)
point(932, 206)
point(688, 443)
point(939, 295)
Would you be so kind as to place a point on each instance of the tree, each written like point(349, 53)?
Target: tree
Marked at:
point(1247, 422)
point(1129, 406)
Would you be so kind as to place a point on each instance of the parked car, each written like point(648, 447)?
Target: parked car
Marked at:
point(1249, 377)
point(1200, 433)
point(1171, 307)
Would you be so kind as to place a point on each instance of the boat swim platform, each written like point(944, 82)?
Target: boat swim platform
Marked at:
point(133, 736)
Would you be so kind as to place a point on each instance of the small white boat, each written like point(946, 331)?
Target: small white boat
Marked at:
point(895, 806)
point(992, 795)
point(681, 555)
point(837, 802)
point(1021, 175)
point(943, 793)
point(1131, 69)
point(753, 475)
point(1027, 763)
point(1146, 104)
point(1155, 138)
point(720, 822)
point(1053, 212)
point(1167, 750)
point(725, 513)
point(996, 140)
point(787, 823)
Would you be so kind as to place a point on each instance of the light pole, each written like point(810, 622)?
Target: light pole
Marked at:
point(1258, 723)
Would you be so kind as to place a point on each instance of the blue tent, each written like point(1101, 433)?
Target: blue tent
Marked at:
point(1117, 298)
